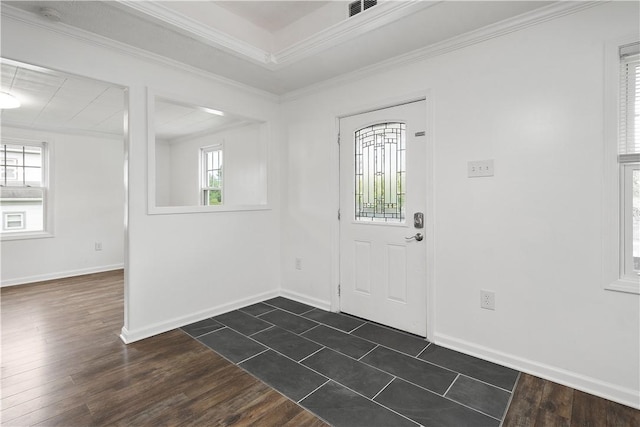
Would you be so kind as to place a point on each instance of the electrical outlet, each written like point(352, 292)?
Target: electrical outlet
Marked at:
point(98, 246)
point(488, 300)
point(298, 263)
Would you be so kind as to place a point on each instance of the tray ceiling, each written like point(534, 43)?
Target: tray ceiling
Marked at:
point(278, 46)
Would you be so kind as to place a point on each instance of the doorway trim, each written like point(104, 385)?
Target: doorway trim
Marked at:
point(427, 96)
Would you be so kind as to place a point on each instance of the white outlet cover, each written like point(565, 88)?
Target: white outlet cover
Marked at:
point(480, 168)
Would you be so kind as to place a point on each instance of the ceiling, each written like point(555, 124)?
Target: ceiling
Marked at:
point(54, 101)
point(276, 46)
point(271, 15)
point(174, 121)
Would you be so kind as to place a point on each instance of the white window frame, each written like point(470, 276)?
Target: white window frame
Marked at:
point(618, 274)
point(48, 194)
point(14, 175)
point(627, 271)
point(204, 185)
point(6, 220)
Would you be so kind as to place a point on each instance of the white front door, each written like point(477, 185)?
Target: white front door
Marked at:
point(382, 185)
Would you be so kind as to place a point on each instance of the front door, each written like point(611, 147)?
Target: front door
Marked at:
point(382, 203)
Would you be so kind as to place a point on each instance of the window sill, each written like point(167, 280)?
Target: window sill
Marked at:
point(625, 285)
point(169, 210)
point(26, 235)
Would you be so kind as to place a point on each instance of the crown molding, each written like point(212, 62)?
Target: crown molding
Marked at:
point(382, 14)
point(202, 32)
point(20, 15)
point(510, 25)
point(62, 130)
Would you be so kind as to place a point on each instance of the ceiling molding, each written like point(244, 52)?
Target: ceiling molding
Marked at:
point(104, 42)
point(64, 130)
point(382, 14)
point(206, 132)
point(510, 25)
point(202, 32)
point(375, 17)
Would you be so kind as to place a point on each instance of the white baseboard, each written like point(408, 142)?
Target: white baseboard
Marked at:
point(128, 336)
point(158, 328)
point(59, 275)
point(318, 303)
point(575, 380)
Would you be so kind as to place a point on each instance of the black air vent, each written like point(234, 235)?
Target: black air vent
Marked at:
point(355, 8)
point(360, 5)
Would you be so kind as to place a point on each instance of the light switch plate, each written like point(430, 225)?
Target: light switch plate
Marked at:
point(480, 168)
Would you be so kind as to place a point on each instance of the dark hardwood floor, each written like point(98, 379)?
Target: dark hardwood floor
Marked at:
point(537, 402)
point(63, 364)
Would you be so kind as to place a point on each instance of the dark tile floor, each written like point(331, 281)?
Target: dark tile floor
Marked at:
point(351, 372)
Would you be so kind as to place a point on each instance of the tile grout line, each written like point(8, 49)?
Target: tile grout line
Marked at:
point(458, 374)
point(251, 357)
point(382, 389)
point(356, 328)
point(328, 380)
point(275, 307)
point(510, 399)
point(308, 330)
point(363, 356)
point(359, 394)
point(314, 390)
point(389, 328)
point(315, 352)
point(447, 398)
point(423, 350)
point(308, 311)
point(450, 385)
point(320, 323)
point(261, 314)
point(263, 330)
point(487, 383)
point(208, 333)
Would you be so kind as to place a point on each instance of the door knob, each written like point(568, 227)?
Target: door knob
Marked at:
point(418, 237)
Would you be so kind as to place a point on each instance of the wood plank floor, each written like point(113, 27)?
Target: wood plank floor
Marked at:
point(537, 402)
point(63, 364)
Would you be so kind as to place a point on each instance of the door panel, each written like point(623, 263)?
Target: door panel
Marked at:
point(382, 186)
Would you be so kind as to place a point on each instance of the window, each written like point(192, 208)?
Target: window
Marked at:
point(10, 171)
point(380, 173)
point(23, 188)
point(211, 191)
point(629, 161)
point(13, 221)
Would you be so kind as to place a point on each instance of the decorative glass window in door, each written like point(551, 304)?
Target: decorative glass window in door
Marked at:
point(380, 173)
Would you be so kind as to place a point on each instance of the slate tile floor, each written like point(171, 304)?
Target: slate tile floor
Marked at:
point(351, 372)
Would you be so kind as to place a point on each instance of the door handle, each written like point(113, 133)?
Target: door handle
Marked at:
point(418, 237)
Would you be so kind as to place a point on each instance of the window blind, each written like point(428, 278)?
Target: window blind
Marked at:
point(629, 137)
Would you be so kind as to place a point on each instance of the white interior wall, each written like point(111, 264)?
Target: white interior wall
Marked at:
point(88, 201)
point(244, 167)
point(532, 101)
point(179, 268)
point(163, 172)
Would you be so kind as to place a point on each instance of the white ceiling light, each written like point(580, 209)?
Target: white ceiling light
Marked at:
point(8, 101)
point(212, 111)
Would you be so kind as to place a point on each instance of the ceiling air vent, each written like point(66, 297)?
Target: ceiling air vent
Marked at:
point(368, 3)
point(360, 5)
